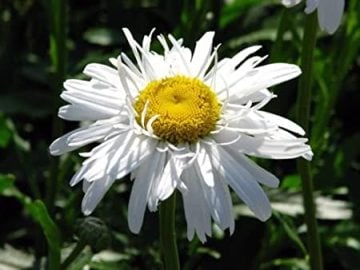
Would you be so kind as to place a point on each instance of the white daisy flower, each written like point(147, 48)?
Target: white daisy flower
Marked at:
point(180, 120)
point(329, 12)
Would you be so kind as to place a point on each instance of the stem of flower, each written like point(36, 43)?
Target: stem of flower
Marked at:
point(74, 254)
point(303, 113)
point(168, 234)
point(277, 47)
point(58, 55)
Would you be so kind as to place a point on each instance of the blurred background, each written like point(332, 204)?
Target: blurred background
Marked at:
point(43, 42)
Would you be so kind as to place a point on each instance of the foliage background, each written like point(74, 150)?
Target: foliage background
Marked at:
point(40, 214)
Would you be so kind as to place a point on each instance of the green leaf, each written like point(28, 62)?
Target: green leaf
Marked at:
point(82, 260)
point(291, 181)
point(39, 213)
point(20, 143)
point(290, 230)
point(6, 181)
point(291, 264)
point(232, 11)
point(5, 132)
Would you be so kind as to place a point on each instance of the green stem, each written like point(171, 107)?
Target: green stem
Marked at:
point(168, 234)
point(58, 54)
point(277, 47)
point(303, 113)
point(73, 255)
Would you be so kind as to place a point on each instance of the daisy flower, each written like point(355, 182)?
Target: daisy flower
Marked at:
point(184, 121)
point(329, 12)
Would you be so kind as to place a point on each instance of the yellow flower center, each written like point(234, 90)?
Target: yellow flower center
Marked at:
point(187, 109)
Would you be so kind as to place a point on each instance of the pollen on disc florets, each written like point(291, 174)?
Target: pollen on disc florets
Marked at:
point(187, 108)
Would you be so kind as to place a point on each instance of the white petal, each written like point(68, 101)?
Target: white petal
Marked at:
point(84, 113)
point(264, 77)
point(170, 177)
point(155, 179)
point(218, 200)
point(259, 174)
point(230, 80)
point(253, 124)
point(82, 136)
point(197, 213)
point(134, 47)
point(135, 156)
point(94, 167)
point(93, 87)
point(202, 53)
point(80, 97)
point(141, 190)
point(89, 135)
point(271, 148)
point(126, 145)
point(205, 169)
point(178, 58)
point(329, 14)
point(290, 3)
point(94, 193)
point(244, 184)
point(311, 5)
point(83, 103)
point(283, 122)
point(104, 74)
point(226, 65)
point(114, 158)
point(254, 97)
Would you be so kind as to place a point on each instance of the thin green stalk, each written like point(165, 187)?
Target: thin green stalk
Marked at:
point(168, 234)
point(303, 113)
point(58, 54)
point(74, 254)
point(277, 47)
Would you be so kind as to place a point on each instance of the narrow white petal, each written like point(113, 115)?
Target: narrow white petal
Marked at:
point(84, 113)
point(155, 179)
point(259, 174)
point(93, 133)
point(141, 191)
point(94, 167)
point(60, 146)
point(107, 101)
point(271, 148)
point(94, 193)
point(290, 3)
point(226, 66)
point(179, 58)
point(330, 13)
point(264, 77)
point(197, 213)
point(104, 74)
point(202, 52)
point(94, 87)
point(253, 124)
point(283, 122)
point(205, 169)
point(311, 5)
point(244, 184)
point(254, 97)
point(130, 156)
point(63, 144)
point(170, 177)
point(129, 144)
point(218, 199)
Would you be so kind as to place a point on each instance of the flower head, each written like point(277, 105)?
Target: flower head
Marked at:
point(180, 120)
point(329, 12)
